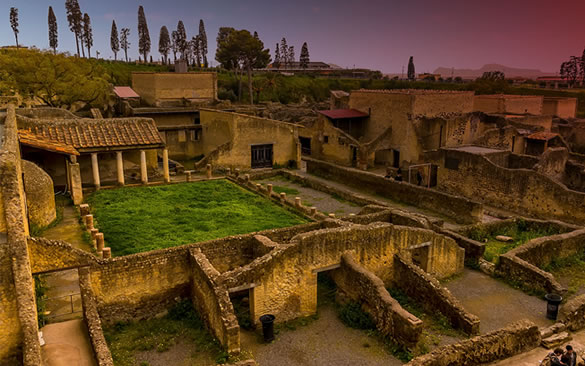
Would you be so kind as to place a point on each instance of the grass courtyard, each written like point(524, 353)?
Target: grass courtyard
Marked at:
point(136, 220)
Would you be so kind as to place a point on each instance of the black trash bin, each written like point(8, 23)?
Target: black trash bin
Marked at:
point(268, 327)
point(552, 305)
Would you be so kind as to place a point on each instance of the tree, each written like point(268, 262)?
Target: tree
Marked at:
point(582, 68)
point(203, 43)
point(53, 32)
point(411, 71)
point(573, 70)
point(114, 40)
point(164, 43)
point(74, 20)
point(239, 50)
point(14, 23)
point(493, 76)
point(182, 40)
point(143, 34)
point(124, 42)
point(291, 55)
point(276, 63)
point(304, 60)
point(284, 53)
point(196, 50)
point(174, 46)
point(87, 34)
point(57, 80)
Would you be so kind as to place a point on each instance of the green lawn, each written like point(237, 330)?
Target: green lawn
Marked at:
point(140, 219)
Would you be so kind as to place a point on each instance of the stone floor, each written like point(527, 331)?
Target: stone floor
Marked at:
point(324, 202)
point(496, 303)
point(68, 230)
point(324, 342)
point(67, 344)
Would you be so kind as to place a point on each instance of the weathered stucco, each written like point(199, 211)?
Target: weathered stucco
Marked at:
point(164, 88)
point(40, 197)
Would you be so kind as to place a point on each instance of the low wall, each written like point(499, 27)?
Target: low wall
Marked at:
point(473, 249)
point(363, 287)
point(50, 255)
point(572, 314)
point(434, 297)
point(459, 209)
point(528, 276)
point(500, 344)
point(93, 322)
point(212, 301)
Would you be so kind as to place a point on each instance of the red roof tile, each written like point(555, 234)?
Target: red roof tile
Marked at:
point(125, 92)
point(544, 136)
point(343, 113)
point(40, 142)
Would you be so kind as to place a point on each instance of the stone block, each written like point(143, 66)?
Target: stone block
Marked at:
point(84, 209)
point(504, 238)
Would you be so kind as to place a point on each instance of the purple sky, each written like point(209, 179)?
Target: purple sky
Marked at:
point(377, 34)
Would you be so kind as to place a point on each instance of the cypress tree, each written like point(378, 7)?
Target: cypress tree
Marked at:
point(284, 53)
point(164, 43)
point(291, 55)
point(14, 23)
point(87, 34)
point(74, 18)
point(143, 34)
point(203, 43)
point(411, 71)
point(53, 37)
point(124, 42)
point(114, 41)
point(174, 45)
point(182, 39)
point(304, 59)
point(276, 63)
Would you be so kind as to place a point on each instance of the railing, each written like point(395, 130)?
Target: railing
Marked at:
point(53, 303)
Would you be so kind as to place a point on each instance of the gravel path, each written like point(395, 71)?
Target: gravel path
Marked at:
point(326, 341)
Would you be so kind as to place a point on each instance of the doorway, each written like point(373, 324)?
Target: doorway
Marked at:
point(395, 158)
point(262, 156)
point(305, 145)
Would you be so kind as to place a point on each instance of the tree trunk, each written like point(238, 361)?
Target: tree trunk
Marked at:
point(88, 52)
point(77, 43)
point(115, 56)
point(16, 36)
point(82, 49)
point(126, 54)
point(239, 77)
point(250, 84)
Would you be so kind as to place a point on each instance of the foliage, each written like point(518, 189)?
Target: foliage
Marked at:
point(571, 268)
point(87, 33)
point(14, 23)
point(143, 34)
point(288, 191)
point(74, 18)
point(164, 43)
point(304, 60)
point(41, 289)
point(521, 232)
point(181, 40)
point(58, 80)
point(140, 219)
point(53, 30)
point(203, 43)
point(124, 41)
point(411, 70)
point(181, 324)
point(352, 315)
point(276, 63)
point(114, 40)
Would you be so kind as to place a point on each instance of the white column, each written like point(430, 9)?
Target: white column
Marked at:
point(143, 170)
point(120, 167)
point(96, 170)
point(166, 165)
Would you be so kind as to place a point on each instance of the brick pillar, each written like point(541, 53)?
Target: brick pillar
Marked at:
point(298, 201)
point(95, 170)
point(165, 163)
point(188, 176)
point(89, 222)
point(75, 179)
point(313, 211)
point(282, 197)
point(208, 171)
point(120, 168)
point(269, 186)
point(107, 253)
point(143, 169)
point(84, 209)
point(99, 242)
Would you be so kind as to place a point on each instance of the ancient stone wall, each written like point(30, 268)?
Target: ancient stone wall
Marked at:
point(286, 278)
point(40, 197)
point(92, 320)
point(213, 302)
point(514, 104)
point(49, 255)
point(160, 89)
point(434, 297)
point(520, 190)
point(500, 344)
point(242, 132)
point(560, 107)
point(357, 284)
point(572, 314)
point(460, 209)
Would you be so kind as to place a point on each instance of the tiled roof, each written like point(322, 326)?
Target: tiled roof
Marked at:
point(544, 136)
point(343, 113)
point(125, 92)
point(40, 142)
point(95, 135)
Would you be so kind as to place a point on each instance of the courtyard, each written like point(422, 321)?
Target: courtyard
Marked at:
point(141, 219)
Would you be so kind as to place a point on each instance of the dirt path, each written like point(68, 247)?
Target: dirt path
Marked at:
point(495, 303)
point(63, 296)
point(67, 344)
point(68, 230)
point(326, 341)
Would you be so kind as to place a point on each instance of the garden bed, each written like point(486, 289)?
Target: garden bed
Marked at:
point(141, 219)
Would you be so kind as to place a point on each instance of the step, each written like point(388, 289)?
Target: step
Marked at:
point(556, 340)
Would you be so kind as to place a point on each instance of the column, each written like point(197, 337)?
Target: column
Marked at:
point(143, 170)
point(166, 165)
point(120, 167)
point(75, 188)
point(96, 170)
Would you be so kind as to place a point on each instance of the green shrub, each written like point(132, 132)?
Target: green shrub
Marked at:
point(353, 316)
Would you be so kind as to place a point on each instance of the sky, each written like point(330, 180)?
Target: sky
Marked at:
point(376, 34)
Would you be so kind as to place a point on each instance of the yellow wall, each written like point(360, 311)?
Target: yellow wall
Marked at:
point(160, 88)
point(515, 104)
point(241, 132)
point(332, 151)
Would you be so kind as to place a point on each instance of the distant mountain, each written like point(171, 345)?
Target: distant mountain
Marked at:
point(510, 72)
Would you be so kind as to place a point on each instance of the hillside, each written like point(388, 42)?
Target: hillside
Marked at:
point(510, 72)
